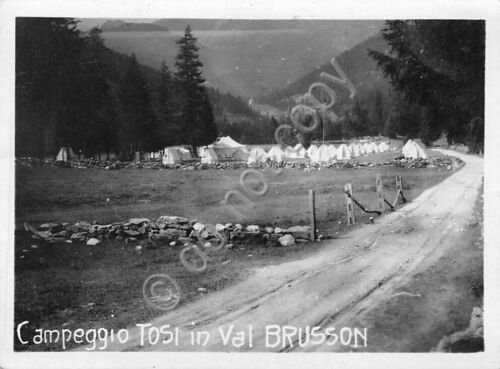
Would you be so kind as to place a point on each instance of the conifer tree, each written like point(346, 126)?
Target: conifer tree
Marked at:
point(195, 112)
point(136, 126)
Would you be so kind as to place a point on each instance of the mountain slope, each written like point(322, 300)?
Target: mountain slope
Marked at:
point(248, 57)
point(357, 64)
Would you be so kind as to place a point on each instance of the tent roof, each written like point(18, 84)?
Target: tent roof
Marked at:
point(226, 142)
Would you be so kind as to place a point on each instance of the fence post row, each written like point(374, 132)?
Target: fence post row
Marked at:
point(381, 200)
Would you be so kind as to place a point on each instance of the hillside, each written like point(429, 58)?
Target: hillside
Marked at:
point(357, 64)
point(247, 57)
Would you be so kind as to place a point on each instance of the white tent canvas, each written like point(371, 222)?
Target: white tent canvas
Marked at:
point(383, 147)
point(313, 153)
point(354, 149)
point(297, 152)
point(332, 151)
point(226, 146)
point(343, 152)
point(171, 156)
point(184, 153)
point(412, 150)
point(324, 154)
point(301, 151)
point(65, 154)
point(361, 149)
point(374, 147)
point(276, 154)
point(367, 148)
point(242, 154)
point(209, 156)
point(257, 155)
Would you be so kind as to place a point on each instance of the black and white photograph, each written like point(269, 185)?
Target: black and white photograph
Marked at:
point(306, 188)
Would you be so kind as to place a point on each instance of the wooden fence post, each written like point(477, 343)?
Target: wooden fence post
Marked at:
point(312, 209)
point(380, 193)
point(349, 204)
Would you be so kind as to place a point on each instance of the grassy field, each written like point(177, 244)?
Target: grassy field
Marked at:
point(74, 285)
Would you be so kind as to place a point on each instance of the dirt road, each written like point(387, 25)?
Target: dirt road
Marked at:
point(341, 286)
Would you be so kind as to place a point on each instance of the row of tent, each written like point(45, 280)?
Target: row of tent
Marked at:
point(225, 148)
point(322, 154)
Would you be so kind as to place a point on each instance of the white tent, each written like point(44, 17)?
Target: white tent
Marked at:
point(343, 152)
point(313, 153)
point(383, 147)
point(301, 151)
point(226, 147)
point(324, 154)
point(367, 148)
point(257, 155)
point(209, 156)
point(332, 151)
point(171, 156)
point(354, 149)
point(297, 152)
point(242, 154)
point(374, 147)
point(361, 149)
point(155, 155)
point(412, 150)
point(276, 154)
point(184, 153)
point(65, 154)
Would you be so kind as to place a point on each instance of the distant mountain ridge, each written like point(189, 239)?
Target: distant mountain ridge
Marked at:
point(121, 26)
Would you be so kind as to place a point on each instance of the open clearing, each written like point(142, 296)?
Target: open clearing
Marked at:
point(80, 286)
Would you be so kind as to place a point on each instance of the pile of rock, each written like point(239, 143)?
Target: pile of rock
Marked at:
point(303, 164)
point(172, 229)
point(448, 162)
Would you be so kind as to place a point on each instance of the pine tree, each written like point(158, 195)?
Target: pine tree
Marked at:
point(168, 131)
point(195, 111)
point(438, 65)
point(48, 74)
point(136, 124)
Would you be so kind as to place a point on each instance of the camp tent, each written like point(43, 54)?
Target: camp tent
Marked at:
point(332, 151)
point(300, 150)
point(297, 152)
point(276, 154)
point(343, 152)
point(184, 153)
point(226, 147)
point(171, 156)
point(257, 155)
point(412, 150)
point(367, 148)
point(374, 147)
point(354, 149)
point(313, 153)
point(324, 154)
point(65, 154)
point(209, 156)
point(383, 147)
point(242, 154)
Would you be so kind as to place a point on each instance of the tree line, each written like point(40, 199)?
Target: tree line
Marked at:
point(73, 91)
point(436, 68)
